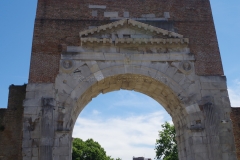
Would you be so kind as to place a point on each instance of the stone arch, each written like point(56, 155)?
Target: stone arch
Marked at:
point(199, 105)
point(161, 87)
point(165, 88)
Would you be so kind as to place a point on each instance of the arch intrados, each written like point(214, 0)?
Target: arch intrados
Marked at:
point(149, 86)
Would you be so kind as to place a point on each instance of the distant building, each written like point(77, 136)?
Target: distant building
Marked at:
point(141, 158)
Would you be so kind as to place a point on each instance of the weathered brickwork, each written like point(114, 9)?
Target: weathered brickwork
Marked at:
point(59, 22)
point(166, 49)
point(11, 120)
point(235, 116)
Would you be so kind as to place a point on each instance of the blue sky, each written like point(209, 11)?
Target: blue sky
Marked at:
point(112, 119)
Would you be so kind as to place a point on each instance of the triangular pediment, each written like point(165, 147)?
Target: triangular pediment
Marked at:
point(132, 25)
point(130, 32)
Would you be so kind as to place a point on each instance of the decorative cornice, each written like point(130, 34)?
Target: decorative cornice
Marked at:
point(133, 23)
point(96, 40)
point(149, 41)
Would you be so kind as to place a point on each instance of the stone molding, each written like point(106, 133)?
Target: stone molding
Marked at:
point(132, 23)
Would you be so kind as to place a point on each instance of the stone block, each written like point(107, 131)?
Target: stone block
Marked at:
point(163, 66)
point(126, 14)
point(62, 87)
point(118, 70)
point(99, 76)
point(36, 133)
point(27, 158)
point(39, 86)
point(60, 151)
point(197, 140)
point(30, 95)
point(117, 57)
point(90, 56)
point(72, 81)
point(192, 108)
point(64, 141)
point(171, 71)
point(129, 68)
point(55, 157)
point(30, 110)
point(31, 87)
point(111, 14)
point(35, 152)
point(27, 152)
point(214, 85)
point(97, 6)
point(166, 15)
point(202, 156)
point(94, 68)
point(213, 79)
point(177, 77)
point(74, 49)
point(226, 147)
point(46, 93)
point(32, 102)
point(80, 89)
point(94, 13)
point(108, 72)
point(26, 142)
point(46, 141)
point(148, 15)
point(200, 148)
point(63, 157)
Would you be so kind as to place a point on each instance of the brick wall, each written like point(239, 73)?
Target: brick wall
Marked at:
point(11, 125)
point(58, 23)
point(235, 116)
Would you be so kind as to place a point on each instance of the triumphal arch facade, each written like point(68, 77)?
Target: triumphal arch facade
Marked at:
point(167, 50)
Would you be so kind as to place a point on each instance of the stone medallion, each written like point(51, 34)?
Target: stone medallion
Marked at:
point(67, 64)
point(186, 67)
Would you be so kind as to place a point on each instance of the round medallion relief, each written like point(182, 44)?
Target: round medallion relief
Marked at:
point(186, 67)
point(67, 64)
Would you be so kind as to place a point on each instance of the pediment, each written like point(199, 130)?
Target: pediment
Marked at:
point(129, 23)
point(132, 32)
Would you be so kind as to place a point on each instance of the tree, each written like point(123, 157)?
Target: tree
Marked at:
point(88, 150)
point(166, 145)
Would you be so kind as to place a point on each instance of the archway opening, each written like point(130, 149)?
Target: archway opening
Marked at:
point(152, 87)
point(125, 123)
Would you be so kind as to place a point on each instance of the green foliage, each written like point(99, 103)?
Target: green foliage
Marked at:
point(88, 150)
point(166, 145)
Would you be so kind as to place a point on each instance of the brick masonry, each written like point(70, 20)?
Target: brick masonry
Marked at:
point(235, 116)
point(11, 120)
point(58, 24)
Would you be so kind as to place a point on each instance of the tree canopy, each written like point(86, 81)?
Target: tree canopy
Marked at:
point(166, 145)
point(88, 150)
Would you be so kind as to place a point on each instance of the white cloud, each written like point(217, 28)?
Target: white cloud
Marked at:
point(134, 99)
point(96, 112)
point(234, 94)
point(123, 137)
